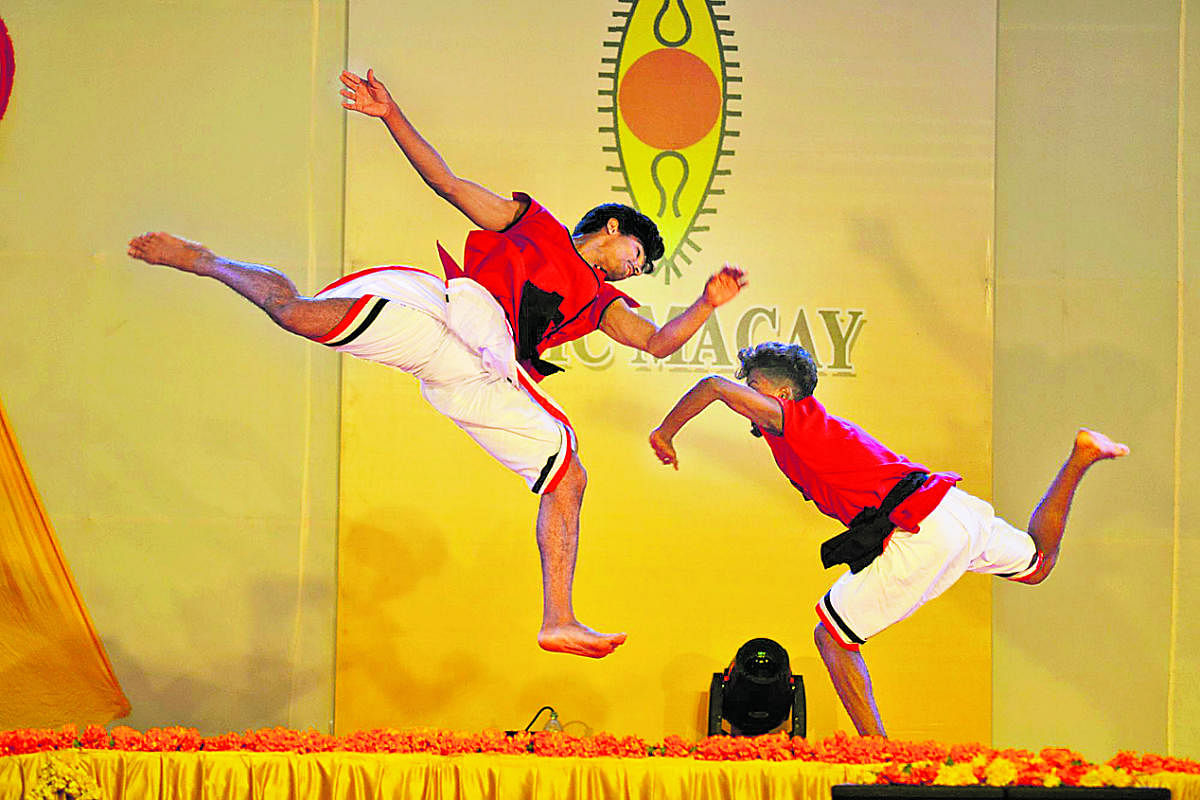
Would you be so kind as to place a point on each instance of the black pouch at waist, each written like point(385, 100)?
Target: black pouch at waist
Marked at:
point(863, 542)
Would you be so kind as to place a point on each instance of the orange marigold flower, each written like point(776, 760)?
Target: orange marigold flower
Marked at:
point(675, 747)
point(773, 747)
point(94, 737)
point(1061, 757)
point(1071, 775)
point(553, 743)
point(497, 741)
point(960, 753)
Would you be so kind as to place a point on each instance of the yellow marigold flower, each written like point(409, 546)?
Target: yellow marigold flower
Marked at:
point(1051, 780)
point(1000, 772)
point(956, 775)
point(1106, 776)
point(861, 773)
point(57, 779)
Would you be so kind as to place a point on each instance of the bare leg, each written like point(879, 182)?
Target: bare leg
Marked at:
point(852, 682)
point(267, 288)
point(558, 543)
point(1049, 519)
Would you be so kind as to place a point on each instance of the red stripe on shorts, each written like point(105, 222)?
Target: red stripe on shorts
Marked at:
point(1029, 573)
point(371, 271)
point(832, 627)
point(543, 401)
point(351, 315)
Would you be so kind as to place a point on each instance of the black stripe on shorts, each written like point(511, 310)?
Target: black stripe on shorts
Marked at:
point(367, 319)
point(837, 619)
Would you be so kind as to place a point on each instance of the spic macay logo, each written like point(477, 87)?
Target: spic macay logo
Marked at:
point(669, 107)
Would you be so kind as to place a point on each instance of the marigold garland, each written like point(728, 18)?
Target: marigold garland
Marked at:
point(869, 759)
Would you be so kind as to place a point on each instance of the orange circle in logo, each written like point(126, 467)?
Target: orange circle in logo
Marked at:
point(669, 98)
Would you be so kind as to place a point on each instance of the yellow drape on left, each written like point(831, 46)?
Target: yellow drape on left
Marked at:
point(53, 668)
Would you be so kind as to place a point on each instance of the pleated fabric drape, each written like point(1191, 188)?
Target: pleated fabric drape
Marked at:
point(476, 776)
point(124, 775)
point(53, 668)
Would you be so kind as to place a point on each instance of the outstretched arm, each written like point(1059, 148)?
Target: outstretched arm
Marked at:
point(622, 324)
point(481, 205)
point(763, 410)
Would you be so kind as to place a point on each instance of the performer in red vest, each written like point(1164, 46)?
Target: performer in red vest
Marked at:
point(911, 533)
point(474, 339)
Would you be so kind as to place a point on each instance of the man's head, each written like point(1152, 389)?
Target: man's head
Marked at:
point(631, 241)
point(785, 371)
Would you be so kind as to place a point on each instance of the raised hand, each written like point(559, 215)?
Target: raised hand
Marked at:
point(723, 286)
point(366, 95)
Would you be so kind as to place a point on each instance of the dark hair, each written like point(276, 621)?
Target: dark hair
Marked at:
point(630, 222)
point(789, 362)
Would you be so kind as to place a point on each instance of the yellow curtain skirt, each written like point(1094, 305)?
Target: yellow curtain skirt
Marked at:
point(358, 776)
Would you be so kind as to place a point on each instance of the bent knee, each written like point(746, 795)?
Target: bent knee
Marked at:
point(823, 638)
point(1036, 577)
point(574, 480)
point(1041, 573)
point(307, 317)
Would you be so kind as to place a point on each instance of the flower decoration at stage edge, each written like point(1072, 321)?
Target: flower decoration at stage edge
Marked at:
point(63, 777)
point(865, 759)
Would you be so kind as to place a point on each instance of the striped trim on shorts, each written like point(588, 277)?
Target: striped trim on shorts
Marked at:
point(400, 317)
point(357, 319)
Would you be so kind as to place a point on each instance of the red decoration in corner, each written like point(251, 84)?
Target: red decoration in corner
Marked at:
point(8, 67)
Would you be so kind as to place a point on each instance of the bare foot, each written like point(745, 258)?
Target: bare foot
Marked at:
point(578, 640)
point(170, 251)
point(1092, 446)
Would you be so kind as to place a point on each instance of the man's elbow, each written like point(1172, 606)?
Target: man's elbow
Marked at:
point(444, 183)
point(659, 350)
point(445, 188)
point(712, 386)
point(661, 347)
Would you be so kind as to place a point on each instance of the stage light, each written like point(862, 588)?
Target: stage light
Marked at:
point(756, 692)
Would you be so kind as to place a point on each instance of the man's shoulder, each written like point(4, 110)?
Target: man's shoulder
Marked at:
point(535, 219)
point(806, 419)
point(610, 294)
point(807, 407)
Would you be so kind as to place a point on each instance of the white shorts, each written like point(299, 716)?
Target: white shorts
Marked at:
point(963, 534)
point(402, 319)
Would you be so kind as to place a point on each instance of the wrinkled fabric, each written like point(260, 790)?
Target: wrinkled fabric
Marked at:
point(53, 668)
point(361, 776)
point(549, 294)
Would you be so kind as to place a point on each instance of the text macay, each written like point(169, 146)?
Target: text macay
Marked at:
point(710, 349)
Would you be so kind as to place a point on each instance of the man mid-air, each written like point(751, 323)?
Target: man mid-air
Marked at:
point(474, 339)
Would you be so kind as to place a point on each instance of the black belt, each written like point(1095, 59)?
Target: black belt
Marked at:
point(863, 542)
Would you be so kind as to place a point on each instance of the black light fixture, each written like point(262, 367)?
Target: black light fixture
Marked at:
point(757, 692)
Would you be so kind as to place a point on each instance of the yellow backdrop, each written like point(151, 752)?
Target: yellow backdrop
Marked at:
point(857, 194)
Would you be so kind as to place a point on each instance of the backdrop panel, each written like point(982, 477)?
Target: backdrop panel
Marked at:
point(185, 447)
point(1095, 305)
point(856, 192)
